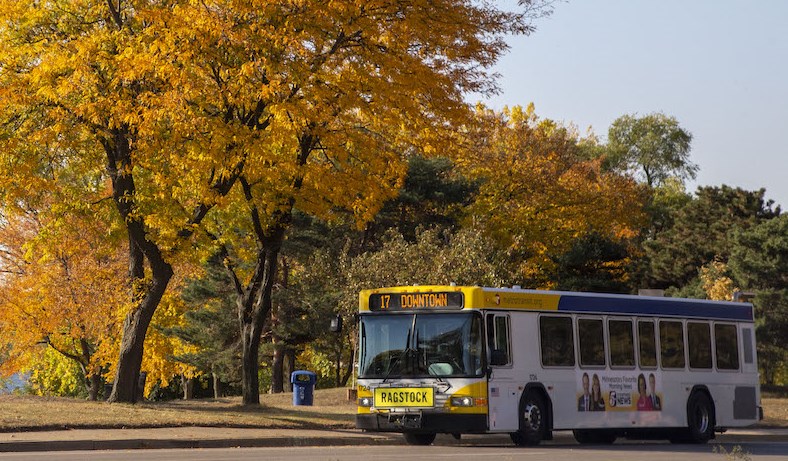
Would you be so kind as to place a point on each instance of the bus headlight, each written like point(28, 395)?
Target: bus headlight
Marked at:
point(365, 401)
point(462, 401)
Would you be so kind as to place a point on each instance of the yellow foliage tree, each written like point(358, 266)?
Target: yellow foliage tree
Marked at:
point(716, 282)
point(540, 193)
point(348, 90)
point(171, 102)
point(59, 290)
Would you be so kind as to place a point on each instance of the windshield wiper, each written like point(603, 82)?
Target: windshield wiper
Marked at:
point(405, 352)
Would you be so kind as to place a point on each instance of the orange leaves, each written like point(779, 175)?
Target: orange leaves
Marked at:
point(539, 192)
point(62, 290)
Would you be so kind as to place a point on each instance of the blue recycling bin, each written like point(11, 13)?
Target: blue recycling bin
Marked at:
point(303, 387)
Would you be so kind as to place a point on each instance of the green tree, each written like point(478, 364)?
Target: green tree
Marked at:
point(759, 261)
point(759, 258)
point(654, 147)
point(434, 194)
point(211, 326)
point(702, 231)
point(594, 263)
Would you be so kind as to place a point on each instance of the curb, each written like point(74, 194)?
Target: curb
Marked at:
point(138, 444)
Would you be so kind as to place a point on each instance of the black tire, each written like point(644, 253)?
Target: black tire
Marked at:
point(583, 436)
point(700, 418)
point(533, 420)
point(419, 439)
point(595, 436)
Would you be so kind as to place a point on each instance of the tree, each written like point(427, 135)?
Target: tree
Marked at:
point(539, 193)
point(433, 194)
point(94, 99)
point(654, 147)
point(59, 296)
point(759, 261)
point(594, 263)
point(702, 231)
point(759, 257)
point(210, 326)
point(357, 85)
point(172, 102)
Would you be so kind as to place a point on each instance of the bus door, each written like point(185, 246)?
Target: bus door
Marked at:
point(503, 393)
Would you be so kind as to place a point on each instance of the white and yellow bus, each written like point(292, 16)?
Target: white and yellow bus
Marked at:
point(460, 360)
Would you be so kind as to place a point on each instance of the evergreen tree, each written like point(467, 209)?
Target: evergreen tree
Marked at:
point(702, 230)
point(212, 327)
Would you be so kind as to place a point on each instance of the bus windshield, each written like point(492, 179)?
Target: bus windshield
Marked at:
point(417, 345)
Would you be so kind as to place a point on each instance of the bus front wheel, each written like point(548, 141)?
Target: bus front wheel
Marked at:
point(533, 420)
point(419, 439)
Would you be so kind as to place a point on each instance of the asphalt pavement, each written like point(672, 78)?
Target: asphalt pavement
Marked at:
point(220, 437)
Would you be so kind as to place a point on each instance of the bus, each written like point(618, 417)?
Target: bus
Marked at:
point(474, 360)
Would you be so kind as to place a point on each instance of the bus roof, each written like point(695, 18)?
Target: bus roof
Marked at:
point(445, 297)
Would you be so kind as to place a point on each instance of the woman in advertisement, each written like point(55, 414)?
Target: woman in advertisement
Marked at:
point(597, 401)
point(644, 402)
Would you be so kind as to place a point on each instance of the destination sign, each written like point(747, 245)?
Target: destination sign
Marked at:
point(407, 301)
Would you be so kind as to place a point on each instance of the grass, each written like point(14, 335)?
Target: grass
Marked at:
point(775, 412)
point(331, 410)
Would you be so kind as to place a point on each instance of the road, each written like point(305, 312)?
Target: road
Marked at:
point(628, 451)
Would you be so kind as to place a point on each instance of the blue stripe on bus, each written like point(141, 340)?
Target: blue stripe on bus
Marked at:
point(656, 306)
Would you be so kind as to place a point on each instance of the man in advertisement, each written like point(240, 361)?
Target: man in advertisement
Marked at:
point(584, 402)
point(656, 403)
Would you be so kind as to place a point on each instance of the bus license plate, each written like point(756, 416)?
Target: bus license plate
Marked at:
point(392, 397)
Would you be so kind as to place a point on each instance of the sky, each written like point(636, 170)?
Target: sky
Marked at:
point(720, 67)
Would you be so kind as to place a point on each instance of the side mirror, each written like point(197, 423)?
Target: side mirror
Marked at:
point(498, 358)
point(336, 324)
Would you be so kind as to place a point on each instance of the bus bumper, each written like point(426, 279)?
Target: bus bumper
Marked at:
point(423, 422)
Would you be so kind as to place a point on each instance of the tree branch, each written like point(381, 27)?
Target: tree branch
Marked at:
point(115, 12)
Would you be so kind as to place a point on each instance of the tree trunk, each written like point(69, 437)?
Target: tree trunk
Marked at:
point(254, 306)
point(145, 295)
point(277, 369)
point(252, 315)
point(290, 368)
point(217, 386)
point(188, 387)
point(135, 327)
point(348, 369)
point(338, 367)
point(250, 381)
point(96, 384)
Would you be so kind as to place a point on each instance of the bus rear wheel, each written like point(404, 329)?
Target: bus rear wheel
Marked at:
point(700, 421)
point(413, 438)
point(533, 420)
point(700, 418)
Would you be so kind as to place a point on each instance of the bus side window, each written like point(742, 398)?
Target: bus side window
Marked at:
point(557, 340)
point(747, 343)
point(699, 342)
point(498, 340)
point(622, 343)
point(727, 346)
point(671, 341)
point(647, 344)
point(591, 341)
